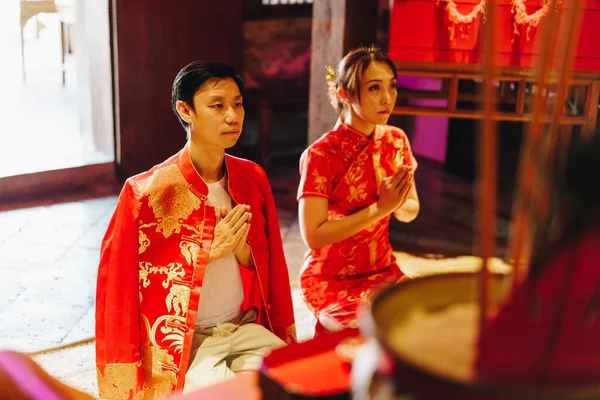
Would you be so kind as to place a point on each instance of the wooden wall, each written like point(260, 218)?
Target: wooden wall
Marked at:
point(152, 41)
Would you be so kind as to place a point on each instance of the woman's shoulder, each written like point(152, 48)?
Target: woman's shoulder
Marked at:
point(327, 144)
point(394, 131)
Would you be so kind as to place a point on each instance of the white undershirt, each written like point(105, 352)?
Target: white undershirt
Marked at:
point(222, 292)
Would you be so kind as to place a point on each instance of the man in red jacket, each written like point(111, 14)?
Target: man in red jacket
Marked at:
point(193, 286)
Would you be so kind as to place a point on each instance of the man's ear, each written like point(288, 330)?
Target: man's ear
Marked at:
point(184, 110)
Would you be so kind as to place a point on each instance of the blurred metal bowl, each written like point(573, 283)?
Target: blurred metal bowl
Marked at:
point(391, 307)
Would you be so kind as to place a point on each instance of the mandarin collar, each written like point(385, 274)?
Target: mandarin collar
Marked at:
point(193, 178)
point(354, 134)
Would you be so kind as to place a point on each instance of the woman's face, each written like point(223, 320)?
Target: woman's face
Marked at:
point(378, 94)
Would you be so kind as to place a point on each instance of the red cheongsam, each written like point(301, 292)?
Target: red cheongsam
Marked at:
point(347, 167)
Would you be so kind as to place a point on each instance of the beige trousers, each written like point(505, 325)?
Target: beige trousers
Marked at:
point(219, 352)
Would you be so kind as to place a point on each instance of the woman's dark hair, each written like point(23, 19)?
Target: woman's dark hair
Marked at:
point(352, 67)
point(195, 75)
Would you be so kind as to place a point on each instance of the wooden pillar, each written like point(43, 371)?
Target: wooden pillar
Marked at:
point(152, 41)
point(592, 126)
point(338, 26)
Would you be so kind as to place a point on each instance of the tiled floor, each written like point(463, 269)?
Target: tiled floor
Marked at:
point(49, 259)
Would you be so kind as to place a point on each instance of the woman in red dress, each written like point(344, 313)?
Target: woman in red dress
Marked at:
point(353, 179)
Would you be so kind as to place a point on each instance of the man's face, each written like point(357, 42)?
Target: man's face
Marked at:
point(218, 114)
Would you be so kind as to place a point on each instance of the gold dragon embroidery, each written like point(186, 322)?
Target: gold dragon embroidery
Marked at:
point(118, 380)
point(170, 199)
point(143, 241)
point(319, 182)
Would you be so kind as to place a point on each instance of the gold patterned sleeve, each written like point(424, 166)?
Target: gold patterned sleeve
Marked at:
point(408, 154)
point(315, 174)
point(117, 303)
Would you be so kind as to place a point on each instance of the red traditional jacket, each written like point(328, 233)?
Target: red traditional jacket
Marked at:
point(152, 263)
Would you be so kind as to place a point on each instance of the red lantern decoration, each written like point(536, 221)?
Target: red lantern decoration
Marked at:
point(450, 31)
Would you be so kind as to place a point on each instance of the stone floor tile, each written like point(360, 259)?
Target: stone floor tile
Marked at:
point(43, 321)
point(85, 213)
point(12, 222)
point(81, 262)
point(48, 232)
point(92, 238)
point(26, 344)
point(305, 321)
point(83, 379)
point(61, 289)
point(294, 254)
point(84, 329)
point(12, 285)
point(29, 257)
